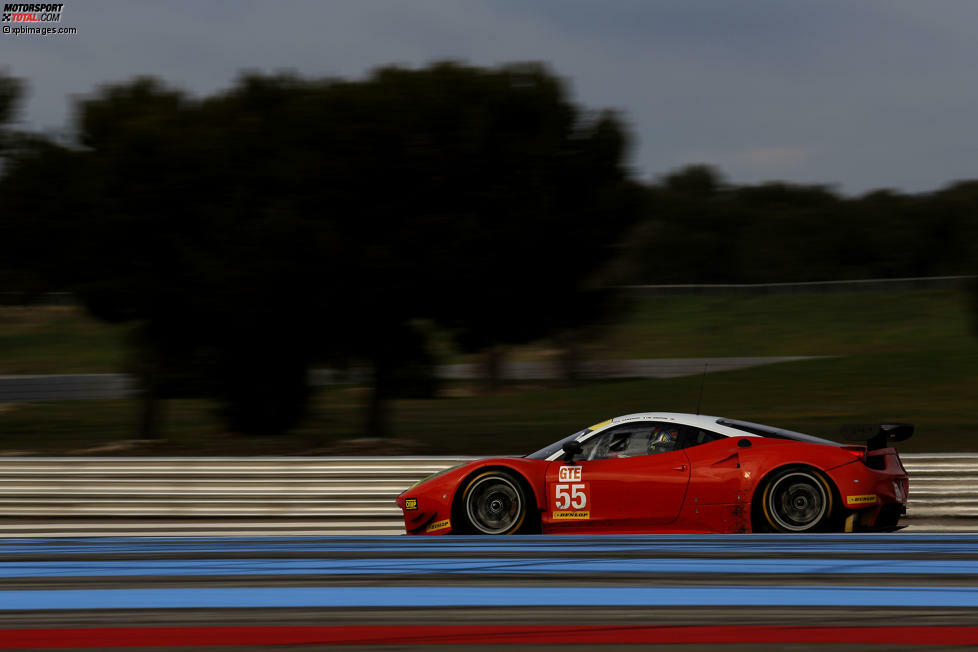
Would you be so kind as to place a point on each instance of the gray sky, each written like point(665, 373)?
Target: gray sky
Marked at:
point(860, 94)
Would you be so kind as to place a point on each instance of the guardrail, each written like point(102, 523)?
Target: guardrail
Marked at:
point(299, 495)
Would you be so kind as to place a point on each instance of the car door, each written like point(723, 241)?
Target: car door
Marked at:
point(629, 478)
point(715, 466)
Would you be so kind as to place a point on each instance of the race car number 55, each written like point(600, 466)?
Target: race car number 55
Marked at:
point(570, 496)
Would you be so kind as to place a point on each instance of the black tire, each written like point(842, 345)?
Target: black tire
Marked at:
point(797, 499)
point(494, 502)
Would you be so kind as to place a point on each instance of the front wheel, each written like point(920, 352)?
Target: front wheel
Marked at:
point(494, 503)
point(797, 500)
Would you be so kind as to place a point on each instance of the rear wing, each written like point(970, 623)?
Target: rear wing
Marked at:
point(878, 436)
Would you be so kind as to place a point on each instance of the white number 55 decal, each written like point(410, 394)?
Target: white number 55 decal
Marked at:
point(570, 496)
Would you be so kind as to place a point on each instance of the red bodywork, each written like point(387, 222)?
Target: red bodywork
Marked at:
point(712, 487)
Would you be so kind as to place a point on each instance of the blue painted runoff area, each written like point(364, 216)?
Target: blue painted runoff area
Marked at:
point(428, 596)
point(464, 566)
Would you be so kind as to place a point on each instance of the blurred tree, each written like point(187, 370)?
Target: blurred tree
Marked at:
point(698, 181)
point(285, 222)
point(150, 225)
point(288, 222)
point(781, 232)
point(490, 208)
point(950, 221)
point(785, 232)
point(206, 243)
point(16, 284)
point(533, 198)
point(11, 92)
point(689, 232)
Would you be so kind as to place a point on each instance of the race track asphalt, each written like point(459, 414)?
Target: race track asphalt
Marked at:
point(736, 591)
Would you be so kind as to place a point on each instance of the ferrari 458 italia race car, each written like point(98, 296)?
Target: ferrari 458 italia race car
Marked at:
point(667, 472)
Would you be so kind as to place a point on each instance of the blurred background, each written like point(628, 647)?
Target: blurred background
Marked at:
point(476, 228)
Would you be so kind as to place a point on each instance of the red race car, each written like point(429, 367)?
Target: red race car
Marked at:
point(666, 472)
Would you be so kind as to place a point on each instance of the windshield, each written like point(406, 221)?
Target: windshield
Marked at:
point(547, 451)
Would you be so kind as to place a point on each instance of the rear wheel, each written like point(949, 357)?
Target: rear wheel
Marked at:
point(797, 499)
point(494, 502)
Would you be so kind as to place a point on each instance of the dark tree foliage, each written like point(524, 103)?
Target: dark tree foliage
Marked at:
point(287, 222)
point(545, 197)
point(494, 203)
point(17, 284)
point(37, 186)
point(701, 230)
point(11, 92)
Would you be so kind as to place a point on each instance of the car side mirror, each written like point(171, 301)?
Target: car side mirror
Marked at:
point(571, 450)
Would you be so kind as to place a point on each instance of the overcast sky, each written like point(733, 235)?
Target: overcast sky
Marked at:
point(859, 94)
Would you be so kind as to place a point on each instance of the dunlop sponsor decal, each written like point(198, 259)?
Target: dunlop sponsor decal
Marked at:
point(571, 516)
point(438, 525)
point(861, 500)
point(410, 503)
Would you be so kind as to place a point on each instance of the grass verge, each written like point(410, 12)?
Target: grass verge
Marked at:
point(933, 389)
point(909, 356)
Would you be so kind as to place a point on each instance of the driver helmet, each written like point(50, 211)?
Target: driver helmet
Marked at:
point(663, 438)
